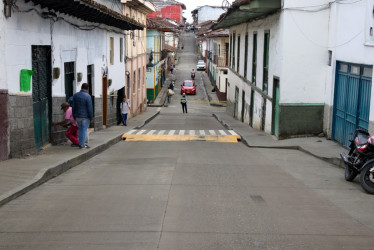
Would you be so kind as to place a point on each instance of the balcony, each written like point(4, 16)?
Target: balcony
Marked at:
point(220, 61)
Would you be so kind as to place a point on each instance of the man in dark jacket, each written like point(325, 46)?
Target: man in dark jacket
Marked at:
point(83, 113)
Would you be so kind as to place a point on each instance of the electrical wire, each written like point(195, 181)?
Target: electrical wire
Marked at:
point(319, 45)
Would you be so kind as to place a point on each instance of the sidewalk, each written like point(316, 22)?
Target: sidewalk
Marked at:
point(319, 147)
point(19, 176)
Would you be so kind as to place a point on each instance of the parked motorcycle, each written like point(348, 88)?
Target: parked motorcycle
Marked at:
point(360, 160)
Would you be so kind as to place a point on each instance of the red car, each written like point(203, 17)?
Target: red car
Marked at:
point(188, 87)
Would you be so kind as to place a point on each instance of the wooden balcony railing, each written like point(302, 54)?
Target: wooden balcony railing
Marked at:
point(220, 61)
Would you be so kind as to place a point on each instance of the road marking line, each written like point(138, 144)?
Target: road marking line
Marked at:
point(175, 138)
point(181, 132)
point(141, 132)
point(212, 132)
point(171, 132)
point(192, 132)
point(202, 132)
point(151, 132)
point(222, 132)
point(232, 132)
point(161, 132)
point(131, 131)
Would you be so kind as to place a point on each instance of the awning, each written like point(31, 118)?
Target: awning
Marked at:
point(247, 12)
point(91, 11)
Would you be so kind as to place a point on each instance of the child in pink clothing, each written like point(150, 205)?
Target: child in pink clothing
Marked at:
point(72, 132)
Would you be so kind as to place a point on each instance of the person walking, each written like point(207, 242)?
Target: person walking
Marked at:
point(125, 108)
point(184, 102)
point(72, 132)
point(82, 113)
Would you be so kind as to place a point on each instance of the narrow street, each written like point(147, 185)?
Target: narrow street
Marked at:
point(189, 194)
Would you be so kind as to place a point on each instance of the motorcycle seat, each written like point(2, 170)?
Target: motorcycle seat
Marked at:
point(362, 139)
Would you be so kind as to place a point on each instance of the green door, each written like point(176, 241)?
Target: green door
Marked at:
point(275, 111)
point(41, 93)
point(243, 105)
point(252, 108)
point(236, 102)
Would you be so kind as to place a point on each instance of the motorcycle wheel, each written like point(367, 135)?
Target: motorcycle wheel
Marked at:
point(367, 179)
point(349, 174)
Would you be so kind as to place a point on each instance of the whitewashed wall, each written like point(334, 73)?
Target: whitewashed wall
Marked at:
point(69, 44)
point(305, 56)
point(3, 75)
point(350, 41)
point(272, 24)
point(207, 13)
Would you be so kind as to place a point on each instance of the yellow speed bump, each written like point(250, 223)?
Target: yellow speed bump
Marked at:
point(200, 101)
point(156, 137)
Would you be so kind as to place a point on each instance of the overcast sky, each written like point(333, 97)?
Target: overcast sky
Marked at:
point(193, 4)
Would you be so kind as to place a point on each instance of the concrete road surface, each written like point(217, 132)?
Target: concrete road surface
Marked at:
point(182, 195)
point(192, 195)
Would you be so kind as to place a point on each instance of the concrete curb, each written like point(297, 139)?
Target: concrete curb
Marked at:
point(46, 174)
point(146, 121)
point(334, 161)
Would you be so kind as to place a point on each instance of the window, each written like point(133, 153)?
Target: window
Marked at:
point(121, 49)
point(245, 55)
point(111, 51)
point(237, 69)
point(233, 51)
point(134, 82)
point(230, 49)
point(266, 62)
point(254, 59)
point(139, 78)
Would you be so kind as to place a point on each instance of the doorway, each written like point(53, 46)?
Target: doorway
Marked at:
point(105, 100)
point(275, 108)
point(252, 108)
point(91, 91)
point(243, 106)
point(351, 100)
point(41, 93)
point(69, 73)
point(236, 104)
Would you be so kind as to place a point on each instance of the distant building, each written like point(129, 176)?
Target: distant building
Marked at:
point(206, 13)
point(168, 9)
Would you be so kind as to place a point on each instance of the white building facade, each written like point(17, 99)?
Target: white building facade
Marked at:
point(289, 66)
point(62, 51)
point(205, 13)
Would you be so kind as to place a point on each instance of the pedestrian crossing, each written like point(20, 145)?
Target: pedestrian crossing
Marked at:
point(181, 135)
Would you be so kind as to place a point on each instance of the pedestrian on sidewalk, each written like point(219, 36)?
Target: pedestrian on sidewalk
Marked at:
point(171, 68)
point(72, 132)
point(125, 108)
point(184, 102)
point(83, 113)
point(170, 94)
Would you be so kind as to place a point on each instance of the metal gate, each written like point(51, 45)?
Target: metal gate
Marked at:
point(351, 100)
point(41, 93)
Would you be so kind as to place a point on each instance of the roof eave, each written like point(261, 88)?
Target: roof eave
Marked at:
point(248, 12)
